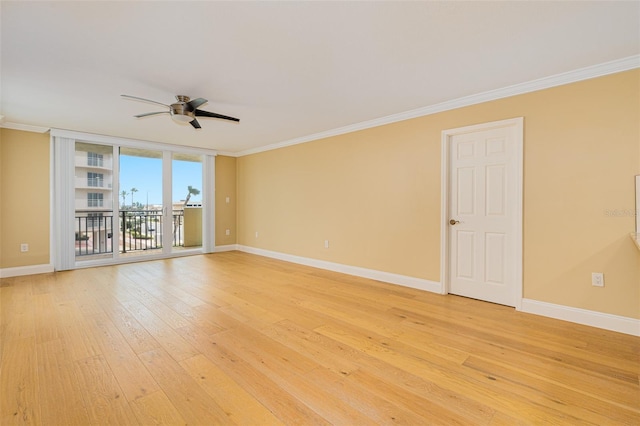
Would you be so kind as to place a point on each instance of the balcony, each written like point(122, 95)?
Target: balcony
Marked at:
point(94, 183)
point(93, 232)
point(83, 161)
point(139, 230)
point(94, 206)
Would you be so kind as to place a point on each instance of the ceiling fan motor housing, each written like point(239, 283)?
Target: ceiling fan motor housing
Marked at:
point(182, 110)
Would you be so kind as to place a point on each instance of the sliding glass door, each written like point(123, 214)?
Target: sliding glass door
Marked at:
point(187, 201)
point(119, 200)
point(94, 201)
point(141, 217)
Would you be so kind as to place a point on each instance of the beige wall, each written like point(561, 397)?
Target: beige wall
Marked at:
point(225, 212)
point(24, 198)
point(375, 194)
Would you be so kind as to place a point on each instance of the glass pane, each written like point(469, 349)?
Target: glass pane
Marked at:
point(141, 214)
point(187, 201)
point(93, 201)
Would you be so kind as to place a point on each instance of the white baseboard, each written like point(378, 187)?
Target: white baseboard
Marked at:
point(229, 247)
point(583, 316)
point(387, 277)
point(25, 270)
point(567, 313)
point(605, 321)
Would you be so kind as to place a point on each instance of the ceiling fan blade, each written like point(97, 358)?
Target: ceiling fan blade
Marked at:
point(143, 100)
point(195, 124)
point(195, 103)
point(151, 113)
point(200, 113)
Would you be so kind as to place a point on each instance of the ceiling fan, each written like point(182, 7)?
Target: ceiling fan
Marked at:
point(183, 111)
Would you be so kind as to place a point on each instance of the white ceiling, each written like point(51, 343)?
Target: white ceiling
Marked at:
point(286, 69)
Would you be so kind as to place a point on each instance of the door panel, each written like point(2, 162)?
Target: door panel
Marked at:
point(483, 176)
point(466, 191)
point(494, 257)
point(466, 252)
point(94, 202)
point(495, 196)
point(187, 201)
point(141, 211)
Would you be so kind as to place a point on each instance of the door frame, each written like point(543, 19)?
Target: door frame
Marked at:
point(63, 196)
point(447, 135)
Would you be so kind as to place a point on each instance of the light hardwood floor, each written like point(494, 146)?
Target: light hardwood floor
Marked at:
point(233, 338)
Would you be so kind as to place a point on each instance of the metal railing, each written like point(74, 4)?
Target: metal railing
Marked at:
point(93, 232)
point(139, 230)
point(178, 228)
point(83, 161)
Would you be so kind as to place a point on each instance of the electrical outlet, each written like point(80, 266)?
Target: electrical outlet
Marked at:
point(228, 232)
point(326, 243)
point(597, 279)
point(227, 200)
point(256, 234)
point(24, 247)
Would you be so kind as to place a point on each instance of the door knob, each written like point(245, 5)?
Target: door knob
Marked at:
point(453, 222)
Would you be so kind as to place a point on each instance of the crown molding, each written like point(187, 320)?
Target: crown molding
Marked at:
point(24, 127)
point(138, 143)
point(581, 74)
point(228, 154)
point(599, 70)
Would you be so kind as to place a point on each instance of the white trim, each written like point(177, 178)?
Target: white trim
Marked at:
point(583, 316)
point(121, 260)
point(586, 73)
point(560, 312)
point(24, 127)
point(166, 181)
point(228, 154)
point(116, 237)
point(63, 165)
point(518, 124)
point(25, 270)
point(444, 215)
point(135, 143)
point(208, 204)
point(566, 313)
point(387, 277)
point(229, 247)
point(593, 71)
point(64, 199)
point(52, 202)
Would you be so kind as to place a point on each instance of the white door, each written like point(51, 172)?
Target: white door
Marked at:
point(485, 211)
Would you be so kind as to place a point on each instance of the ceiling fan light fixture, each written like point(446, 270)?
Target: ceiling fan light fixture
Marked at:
point(180, 118)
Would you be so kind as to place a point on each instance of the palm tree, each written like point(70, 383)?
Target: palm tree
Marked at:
point(192, 191)
point(123, 194)
point(132, 191)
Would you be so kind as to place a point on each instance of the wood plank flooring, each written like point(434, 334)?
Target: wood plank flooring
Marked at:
point(233, 338)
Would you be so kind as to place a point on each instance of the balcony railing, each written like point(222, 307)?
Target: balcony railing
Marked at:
point(93, 205)
point(93, 232)
point(139, 230)
point(82, 161)
point(85, 182)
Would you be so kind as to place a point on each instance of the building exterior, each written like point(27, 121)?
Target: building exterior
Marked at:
point(93, 198)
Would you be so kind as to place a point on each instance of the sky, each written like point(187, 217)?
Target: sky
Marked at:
point(145, 174)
